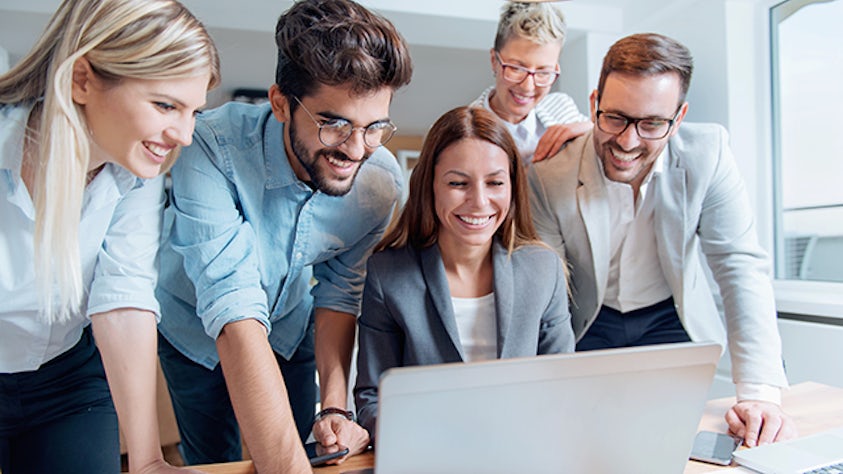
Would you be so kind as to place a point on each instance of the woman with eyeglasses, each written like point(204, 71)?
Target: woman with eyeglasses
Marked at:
point(525, 63)
point(462, 276)
point(90, 119)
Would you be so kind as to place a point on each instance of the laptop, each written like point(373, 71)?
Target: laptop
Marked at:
point(608, 411)
point(797, 456)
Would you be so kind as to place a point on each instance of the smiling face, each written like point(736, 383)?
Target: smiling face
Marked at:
point(137, 123)
point(330, 169)
point(626, 157)
point(472, 193)
point(512, 102)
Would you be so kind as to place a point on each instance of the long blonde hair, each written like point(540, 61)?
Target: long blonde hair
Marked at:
point(138, 39)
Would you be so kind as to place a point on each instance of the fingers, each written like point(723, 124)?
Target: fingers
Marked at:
point(551, 142)
point(759, 423)
point(335, 433)
point(736, 426)
point(324, 431)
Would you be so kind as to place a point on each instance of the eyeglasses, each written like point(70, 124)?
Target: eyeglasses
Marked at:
point(649, 128)
point(336, 131)
point(516, 74)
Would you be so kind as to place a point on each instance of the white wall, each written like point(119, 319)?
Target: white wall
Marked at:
point(4, 60)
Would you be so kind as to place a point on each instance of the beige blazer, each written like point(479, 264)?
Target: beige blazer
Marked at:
point(701, 211)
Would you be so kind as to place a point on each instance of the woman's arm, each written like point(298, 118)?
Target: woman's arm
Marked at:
point(127, 342)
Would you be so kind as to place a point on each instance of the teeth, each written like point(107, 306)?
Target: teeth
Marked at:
point(340, 163)
point(621, 156)
point(475, 220)
point(157, 149)
point(522, 97)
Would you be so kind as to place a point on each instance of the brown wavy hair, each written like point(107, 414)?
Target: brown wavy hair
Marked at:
point(418, 225)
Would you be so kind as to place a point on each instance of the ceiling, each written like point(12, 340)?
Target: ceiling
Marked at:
point(448, 41)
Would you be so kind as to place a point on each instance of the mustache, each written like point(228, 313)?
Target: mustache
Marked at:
point(613, 144)
point(340, 156)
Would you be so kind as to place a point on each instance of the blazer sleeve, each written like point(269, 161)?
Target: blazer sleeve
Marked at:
point(555, 333)
point(380, 343)
point(741, 268)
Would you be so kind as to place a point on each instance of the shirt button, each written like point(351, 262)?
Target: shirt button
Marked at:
point(298, 256)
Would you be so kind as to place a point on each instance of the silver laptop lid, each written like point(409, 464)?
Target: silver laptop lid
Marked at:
point(608, 411)
point(795, 456)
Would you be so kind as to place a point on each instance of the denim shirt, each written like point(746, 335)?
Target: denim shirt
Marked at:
point(247, 237)
point(119, 232)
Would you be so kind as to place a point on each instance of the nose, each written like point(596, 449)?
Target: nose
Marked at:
point(355, 146)
point(628, 139)
point(529, 81)
point(181, 131)
point(478, 196)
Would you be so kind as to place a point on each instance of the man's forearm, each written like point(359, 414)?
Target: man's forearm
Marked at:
point(334, 344)
point(259, 397)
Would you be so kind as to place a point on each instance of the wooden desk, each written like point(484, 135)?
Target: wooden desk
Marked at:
point(814, 407)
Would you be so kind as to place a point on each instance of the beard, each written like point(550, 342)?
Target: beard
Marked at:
point(321, 178)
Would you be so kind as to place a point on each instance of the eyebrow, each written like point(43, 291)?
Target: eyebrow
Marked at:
point(517, 62)
point(648, 117)
point(466, 175)
point(333, 116)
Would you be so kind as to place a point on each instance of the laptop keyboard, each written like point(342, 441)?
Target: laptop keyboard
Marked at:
point(832, 469)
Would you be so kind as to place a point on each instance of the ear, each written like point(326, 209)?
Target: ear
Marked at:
point(681, 115)
point(279, 103)
point(493, 60)
point(82, 81)
point(592, 99)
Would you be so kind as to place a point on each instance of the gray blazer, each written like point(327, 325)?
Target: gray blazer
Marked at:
point(407, 317)
point(701, 204)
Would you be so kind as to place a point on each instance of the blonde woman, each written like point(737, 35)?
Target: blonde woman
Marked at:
point(525, 64)
point(462, 276)
point(89, 120)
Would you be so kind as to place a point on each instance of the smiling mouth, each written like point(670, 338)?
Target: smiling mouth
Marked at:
point(624, 157)
point(475, 220)
point(521, 98)
point(341, 163)
point(157, 150)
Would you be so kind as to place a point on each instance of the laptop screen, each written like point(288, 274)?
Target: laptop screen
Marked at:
point(617, 410)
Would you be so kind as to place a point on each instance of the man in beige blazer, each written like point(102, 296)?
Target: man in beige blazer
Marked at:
point(631, 205)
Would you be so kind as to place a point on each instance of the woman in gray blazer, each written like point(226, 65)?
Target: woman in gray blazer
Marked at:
point(462, 276)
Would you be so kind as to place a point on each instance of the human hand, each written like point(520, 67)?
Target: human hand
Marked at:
point(759, 422)
point(159, 466)
point(556, 136)
point(335, 431)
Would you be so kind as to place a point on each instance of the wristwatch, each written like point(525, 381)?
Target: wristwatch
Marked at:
point(347, 414)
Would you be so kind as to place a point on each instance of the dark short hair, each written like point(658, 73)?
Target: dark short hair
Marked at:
point(418, 226)
point(338, 43)
point(647, 54)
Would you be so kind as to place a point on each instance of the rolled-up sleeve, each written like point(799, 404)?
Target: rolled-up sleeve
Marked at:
point(126, 273)
point(216, 242)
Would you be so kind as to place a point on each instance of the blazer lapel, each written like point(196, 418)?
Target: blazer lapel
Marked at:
point(670, 220)
point(595, 213)
point(504, 296)
point(440, 293)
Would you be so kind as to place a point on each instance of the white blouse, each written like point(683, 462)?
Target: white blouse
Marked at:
point(119, 233)
point(477, 327)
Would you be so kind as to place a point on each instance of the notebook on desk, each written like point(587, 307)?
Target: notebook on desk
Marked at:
point(797, 456)
point(609, 411)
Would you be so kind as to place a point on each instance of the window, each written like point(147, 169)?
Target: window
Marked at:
point(807, 66)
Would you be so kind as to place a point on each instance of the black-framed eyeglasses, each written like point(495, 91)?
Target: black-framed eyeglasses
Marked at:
point(516, 74)
point(336, 131)
point(649, 128)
